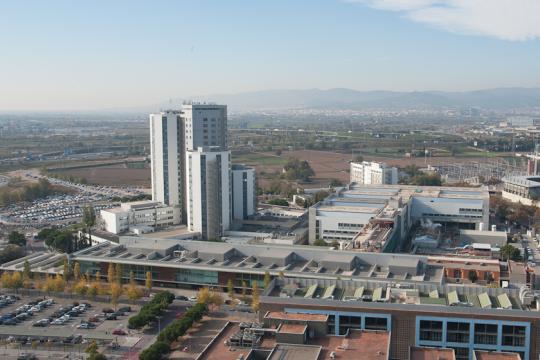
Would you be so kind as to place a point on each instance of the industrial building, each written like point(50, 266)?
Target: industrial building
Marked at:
point(139, 216)
point(378, 217)
point(373, 173)
point(522, 189)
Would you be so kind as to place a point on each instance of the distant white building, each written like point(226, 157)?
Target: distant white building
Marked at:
point(130, 215)
point(244, 192)
point(373, 173)
point(522, 189)
point(208, 191)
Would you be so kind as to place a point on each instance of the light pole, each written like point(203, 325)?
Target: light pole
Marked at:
point(159, 323)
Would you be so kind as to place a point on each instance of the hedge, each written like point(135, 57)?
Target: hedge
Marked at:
point(149, 311)
point(171, 332)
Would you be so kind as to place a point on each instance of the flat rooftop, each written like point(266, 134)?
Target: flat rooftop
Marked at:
point(278, 315)
point(295, 352)
point(357, 345)
point(493, 355)
point(429, 353)
point(258, 259)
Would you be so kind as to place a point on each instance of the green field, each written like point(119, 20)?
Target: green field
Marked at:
point(258, 159)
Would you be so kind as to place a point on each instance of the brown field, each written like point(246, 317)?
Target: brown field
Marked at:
point(112, 175)
point(329, 165)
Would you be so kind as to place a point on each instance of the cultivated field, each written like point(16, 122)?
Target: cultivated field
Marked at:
point(111, 175)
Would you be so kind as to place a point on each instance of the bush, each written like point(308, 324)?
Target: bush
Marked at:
point(280, 202)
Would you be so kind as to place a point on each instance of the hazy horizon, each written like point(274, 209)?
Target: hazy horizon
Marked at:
point(72, 56)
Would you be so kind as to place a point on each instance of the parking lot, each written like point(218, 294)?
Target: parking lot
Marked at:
point(44, 325)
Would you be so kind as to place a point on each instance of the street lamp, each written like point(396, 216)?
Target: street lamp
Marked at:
point(158, 317)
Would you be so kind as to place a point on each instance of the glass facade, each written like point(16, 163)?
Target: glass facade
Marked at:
point(467, 335)
point(193, 276)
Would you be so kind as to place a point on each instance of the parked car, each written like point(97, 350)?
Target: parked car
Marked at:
point(111, 317)
point(119, 332)
point(107, 310)
point(125, 309)
point(181, 297)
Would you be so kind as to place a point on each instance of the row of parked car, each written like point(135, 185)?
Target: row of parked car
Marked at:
point(25, 311)
point(64, 314)
point(6, 300)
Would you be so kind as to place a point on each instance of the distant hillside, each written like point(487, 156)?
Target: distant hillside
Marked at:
point(496, 99)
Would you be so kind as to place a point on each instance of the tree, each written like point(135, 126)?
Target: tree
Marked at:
point(358, 158)
point(133, 291)
point(509, 252)
point(203, 295)
point(110, 273)
point(67, 270)
point(336, 183)
point(319, 196)
point(77, 271)
point(279, 202)
point(473, 276)
point(80, 287)
point(148, 281)
point(296, 169)
point(11, 252)
point(119, 273)
point(27, 273)
point(116, 292)
point(59, 283)
point(89, 220)
point(6, 280)
point(16, 238)
point(267, 279)
point(230, 288)
point(427, 180)
point(320, 242)
point(16, 280)
point(91, 348)
point(244, 290)
point(255, 297)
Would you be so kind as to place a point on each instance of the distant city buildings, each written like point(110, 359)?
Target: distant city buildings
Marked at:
point(373, 173)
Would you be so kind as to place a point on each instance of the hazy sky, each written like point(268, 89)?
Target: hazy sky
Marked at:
point(94, 54)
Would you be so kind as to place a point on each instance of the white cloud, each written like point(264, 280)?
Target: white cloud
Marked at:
point(513, 20)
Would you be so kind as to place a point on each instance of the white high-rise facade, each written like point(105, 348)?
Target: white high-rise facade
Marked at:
point(375, 173)
point(208, 191)
point(167, 151)
point(206, 125)
point(244, 196)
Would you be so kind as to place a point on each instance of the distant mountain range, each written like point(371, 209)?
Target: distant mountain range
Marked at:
point(340, 98)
